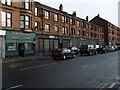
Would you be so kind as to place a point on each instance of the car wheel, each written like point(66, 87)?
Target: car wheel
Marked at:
point(81, 54)
point(96, 53)
point(73, 55)
point(64, 57)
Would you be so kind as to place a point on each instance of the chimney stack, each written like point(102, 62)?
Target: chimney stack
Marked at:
point(98, 15)
point(74, 13)
point(87, 18)
point(61, 7)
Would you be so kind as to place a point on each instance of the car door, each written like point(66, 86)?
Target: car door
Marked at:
point(65, 52)
point(69, 53)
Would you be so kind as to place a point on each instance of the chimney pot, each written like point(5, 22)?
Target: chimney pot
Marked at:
point(61, 7)
point(87, 18)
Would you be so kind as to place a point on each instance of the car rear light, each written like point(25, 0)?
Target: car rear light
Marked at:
point(61, 53)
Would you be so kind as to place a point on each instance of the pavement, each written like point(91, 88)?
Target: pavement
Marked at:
point(27, 58)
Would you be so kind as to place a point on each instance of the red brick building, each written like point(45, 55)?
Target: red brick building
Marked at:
point(57, 28)
point(111, 32)
point(33, 27)
point(17, 22)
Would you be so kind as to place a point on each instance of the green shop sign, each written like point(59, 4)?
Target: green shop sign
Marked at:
point(17, 35)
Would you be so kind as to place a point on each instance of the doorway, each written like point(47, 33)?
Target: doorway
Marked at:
point(21, 49)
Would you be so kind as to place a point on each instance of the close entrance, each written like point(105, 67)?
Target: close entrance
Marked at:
point(21, 49)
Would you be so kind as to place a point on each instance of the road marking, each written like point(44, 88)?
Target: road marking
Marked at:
point(84, 66)
point(38, 66)
point(13, 87)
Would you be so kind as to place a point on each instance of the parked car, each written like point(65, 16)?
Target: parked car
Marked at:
point(75, 49)
point(116, 48)
point(63, 53)
point(102, 49)
point(111, 48)
point(87, 49)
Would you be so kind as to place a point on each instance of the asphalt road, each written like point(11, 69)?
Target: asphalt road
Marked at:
point(81, 72)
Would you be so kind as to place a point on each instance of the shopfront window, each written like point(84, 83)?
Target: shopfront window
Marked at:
point(10, 47)
point(28, 46)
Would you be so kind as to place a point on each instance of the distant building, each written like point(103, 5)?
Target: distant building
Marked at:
point(111, 32)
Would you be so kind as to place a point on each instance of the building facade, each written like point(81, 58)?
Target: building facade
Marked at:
point(31, 27)
point(57, 28)
point(17, 23)
point(111, 32)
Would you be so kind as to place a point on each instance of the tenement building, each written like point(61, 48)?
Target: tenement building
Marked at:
point(111, 32)
point(57, 28)
point(29, 27)
point(16, 28)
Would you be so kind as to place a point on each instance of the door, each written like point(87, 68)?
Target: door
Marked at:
point(21, 49)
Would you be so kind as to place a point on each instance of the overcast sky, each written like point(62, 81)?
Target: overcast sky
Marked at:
point(108, 9)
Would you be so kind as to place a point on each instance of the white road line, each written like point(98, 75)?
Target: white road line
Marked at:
point(37, 66)
point(84, 66)
point(13, 87)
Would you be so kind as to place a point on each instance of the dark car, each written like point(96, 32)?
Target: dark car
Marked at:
point(87, 49)
point(102, 49)
point(63, 53)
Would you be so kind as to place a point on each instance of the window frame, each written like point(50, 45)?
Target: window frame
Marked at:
point(36, 27)
point(36, 11)
point(56, 29)
point(56, 17)
point(47, 14)
point(25, 22)
point(6, 19)
point(47, 28)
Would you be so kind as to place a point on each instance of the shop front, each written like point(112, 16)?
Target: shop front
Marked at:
point(45, 44)
point(2, 43)
point(19, 44)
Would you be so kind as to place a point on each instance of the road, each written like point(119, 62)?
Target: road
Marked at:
point(81, 72)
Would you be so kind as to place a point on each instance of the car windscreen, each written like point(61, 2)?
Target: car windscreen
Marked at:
point(58, 50)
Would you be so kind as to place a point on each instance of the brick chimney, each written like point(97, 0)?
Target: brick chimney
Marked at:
point(74, 13)
point(87, 18)
point(61, 7)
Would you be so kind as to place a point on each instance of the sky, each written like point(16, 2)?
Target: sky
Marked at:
point(107, 9)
